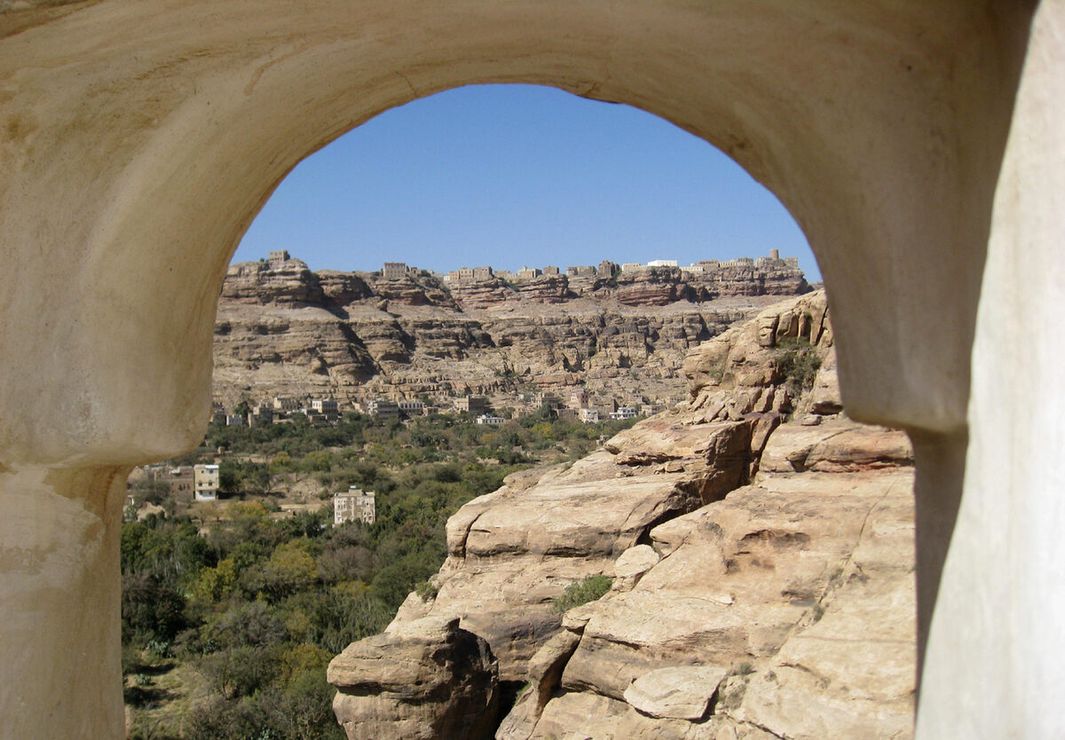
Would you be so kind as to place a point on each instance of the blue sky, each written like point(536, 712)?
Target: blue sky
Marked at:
point(512, 175)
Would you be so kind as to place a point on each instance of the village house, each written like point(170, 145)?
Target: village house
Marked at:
point(394, 270)
point(411, 408)
point(327, 406)
point(382, 408)
point(206, 480)
point(471, 404)
point(490, 420)
point(261, 415)
point(286, 404)
point(354, 505)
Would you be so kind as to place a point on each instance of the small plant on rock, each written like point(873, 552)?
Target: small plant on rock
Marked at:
point(581, 592)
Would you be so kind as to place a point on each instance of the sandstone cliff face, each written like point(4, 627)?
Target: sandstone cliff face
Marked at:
point(284, 330)
point(761, 545)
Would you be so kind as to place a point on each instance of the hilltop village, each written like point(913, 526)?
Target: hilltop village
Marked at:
point(593, 342)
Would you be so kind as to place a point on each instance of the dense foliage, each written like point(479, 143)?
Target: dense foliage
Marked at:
point(254, 603)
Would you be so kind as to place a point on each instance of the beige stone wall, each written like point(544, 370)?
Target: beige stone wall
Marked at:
point(138, 140)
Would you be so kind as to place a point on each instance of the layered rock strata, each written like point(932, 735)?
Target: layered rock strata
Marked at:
point(761, 546)
point(282, 329)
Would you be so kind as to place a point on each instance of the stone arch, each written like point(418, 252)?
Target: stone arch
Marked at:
point(140, 139)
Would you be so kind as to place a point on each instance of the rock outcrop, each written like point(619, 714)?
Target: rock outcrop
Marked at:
point(761, 550)
point(423, 679)
point(282, 329)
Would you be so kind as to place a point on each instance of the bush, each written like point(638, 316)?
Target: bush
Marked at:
point(581, 592)
point(240, 671)
point(797, 363)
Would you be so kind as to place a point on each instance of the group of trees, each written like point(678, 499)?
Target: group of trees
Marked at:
point(257, 602)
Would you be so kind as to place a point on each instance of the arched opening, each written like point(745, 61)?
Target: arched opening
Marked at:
point(161, 152)
point(243, 314)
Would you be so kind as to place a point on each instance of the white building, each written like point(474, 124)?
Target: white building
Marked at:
point(490, 420)
point(589, 416)
point(662, 263)
point(356, 505)
point(205, 482)
point(624, 412)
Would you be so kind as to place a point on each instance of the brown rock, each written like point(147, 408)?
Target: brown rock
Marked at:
point(422, 679)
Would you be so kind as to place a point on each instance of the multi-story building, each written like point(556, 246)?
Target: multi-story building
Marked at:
point(631, 266)
point(354, 505)
point(471, 404)
point(262, 415)
point(580, 271)
point(327, 406)
point(528, 273)
point(578, 399)
point(277, 255)
point(394, 270)
point(588, 416)
point(607, 269)
point(551, 270)
point(411, 408)
point(662, 263)
point(206, 482)
point(382, 408)
point(286, 404)
point(624, 412)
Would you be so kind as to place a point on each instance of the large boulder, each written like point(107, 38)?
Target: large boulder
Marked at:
point(422, 679)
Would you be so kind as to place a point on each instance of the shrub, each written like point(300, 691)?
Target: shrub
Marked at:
point(426, 590)
point(581, 592)
point(797, 363)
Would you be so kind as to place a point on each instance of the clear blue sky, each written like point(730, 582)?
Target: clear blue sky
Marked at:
point(512, 175)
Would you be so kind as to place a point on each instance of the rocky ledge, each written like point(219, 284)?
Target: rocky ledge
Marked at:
point(761, 549)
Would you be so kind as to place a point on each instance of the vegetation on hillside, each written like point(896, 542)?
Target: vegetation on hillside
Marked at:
point(231, 611)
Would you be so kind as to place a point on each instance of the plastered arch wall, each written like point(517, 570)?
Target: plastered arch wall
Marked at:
point(137, 141)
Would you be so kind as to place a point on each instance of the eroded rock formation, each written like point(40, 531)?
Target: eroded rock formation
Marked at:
point(283, 329)
point(423, 679)
point(761, 546)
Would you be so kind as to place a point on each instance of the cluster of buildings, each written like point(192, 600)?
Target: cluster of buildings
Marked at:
point(478, 408)
point(607, 269)
point(279, 410)
point(187, 483)
point(579, 403)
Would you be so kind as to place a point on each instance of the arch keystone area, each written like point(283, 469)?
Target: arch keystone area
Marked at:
point(918, 144)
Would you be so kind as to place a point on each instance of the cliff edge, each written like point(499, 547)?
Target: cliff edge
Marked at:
point(760, 546)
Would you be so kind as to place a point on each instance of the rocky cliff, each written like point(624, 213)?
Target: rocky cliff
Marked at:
point(283, 329)
point(761, 550)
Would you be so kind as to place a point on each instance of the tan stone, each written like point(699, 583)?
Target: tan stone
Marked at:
point(420, 679)
point(676, 692)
